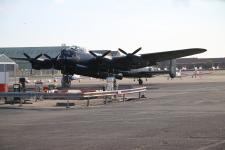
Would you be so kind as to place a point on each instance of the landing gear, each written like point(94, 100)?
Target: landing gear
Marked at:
point(66, 81)
point(111, 84)
point(140, 81)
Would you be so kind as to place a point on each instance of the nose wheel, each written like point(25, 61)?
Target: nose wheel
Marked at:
point(66, 81)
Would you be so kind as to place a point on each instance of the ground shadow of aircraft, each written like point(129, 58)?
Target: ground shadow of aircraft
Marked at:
point(76, 61)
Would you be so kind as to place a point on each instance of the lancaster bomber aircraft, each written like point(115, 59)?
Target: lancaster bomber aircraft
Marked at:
point(77, 61)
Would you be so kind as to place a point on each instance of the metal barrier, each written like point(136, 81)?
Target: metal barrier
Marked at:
point(78, 96)
point(113, 93)
point(107, 94)
point(134, 90)
point(19, 94)
point(131, 91)
point(40, 94)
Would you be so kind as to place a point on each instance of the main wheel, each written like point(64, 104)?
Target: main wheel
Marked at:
point(66, 81)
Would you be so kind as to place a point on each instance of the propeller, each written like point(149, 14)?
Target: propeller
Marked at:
point(132, 60)
point(32, 60)
point(46, 55)
point(99, 57)
point(127, 54)
point(53, 61)
point(50, 58)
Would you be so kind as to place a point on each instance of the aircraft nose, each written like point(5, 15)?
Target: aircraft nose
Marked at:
point(76, 58)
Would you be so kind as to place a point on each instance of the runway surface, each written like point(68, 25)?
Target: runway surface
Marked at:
point(176, 116)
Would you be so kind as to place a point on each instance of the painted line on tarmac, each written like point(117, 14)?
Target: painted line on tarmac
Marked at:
point(211, 146)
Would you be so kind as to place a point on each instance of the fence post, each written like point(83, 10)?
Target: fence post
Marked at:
point(123, 97)
point(67, 104)
point(20, 105)
point(88, 102)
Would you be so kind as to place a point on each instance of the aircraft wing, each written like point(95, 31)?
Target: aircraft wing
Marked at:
point(168, 55)
point(133, 62)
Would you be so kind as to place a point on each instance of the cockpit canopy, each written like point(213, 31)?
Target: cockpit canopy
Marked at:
point(78, 49)
point(71, 52)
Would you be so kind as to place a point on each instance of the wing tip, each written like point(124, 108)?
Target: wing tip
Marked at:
point(196, 50)
point(200, 50)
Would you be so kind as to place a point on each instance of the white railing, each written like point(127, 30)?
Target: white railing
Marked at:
point(78, 96)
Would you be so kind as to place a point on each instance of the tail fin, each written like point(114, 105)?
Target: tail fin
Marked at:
point(172, 68)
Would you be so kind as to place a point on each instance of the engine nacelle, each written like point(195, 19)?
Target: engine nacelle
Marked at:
point(104, 75)
point(119, 76)
point(39, 64)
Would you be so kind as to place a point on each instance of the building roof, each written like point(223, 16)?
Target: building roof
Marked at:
point(5, 60)
point(52, 51)
point(200, 60)
point(31, 51)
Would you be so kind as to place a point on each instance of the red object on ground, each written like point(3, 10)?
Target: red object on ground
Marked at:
point(45, 89)
point(4, 88)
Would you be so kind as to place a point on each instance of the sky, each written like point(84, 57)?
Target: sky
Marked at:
point(154, 25)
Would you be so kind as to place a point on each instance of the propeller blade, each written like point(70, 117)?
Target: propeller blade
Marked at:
point(136, 51)
point(47, 56)
point(38, 56)
point(28, 57)
point(106, 53)
point(92, 53)
point(122, 51)
point(57, 56)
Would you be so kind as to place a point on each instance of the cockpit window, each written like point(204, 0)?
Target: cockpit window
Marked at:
point(67, 53)
point(78, 49)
